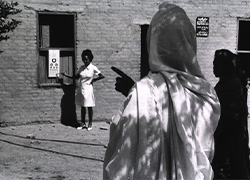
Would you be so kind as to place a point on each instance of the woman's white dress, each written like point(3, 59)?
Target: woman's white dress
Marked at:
point(85, 92)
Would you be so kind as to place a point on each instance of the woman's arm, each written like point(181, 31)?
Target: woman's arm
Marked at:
point(77, 76)
point(99, 76)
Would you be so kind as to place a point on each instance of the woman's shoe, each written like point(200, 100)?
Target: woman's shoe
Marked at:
point(89, 128)
point(83, 126)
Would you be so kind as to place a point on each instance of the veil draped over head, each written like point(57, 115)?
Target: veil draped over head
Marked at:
point(165, 127)
point(172, 41)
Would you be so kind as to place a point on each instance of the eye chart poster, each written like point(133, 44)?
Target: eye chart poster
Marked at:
point(54, 63)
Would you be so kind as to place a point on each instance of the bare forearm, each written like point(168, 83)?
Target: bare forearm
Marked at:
point(71, 77)
point(100, 76)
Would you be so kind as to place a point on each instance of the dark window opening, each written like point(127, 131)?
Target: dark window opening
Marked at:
point(244, 35)
point(243, 50)
point(144, 52)
point(56, 30)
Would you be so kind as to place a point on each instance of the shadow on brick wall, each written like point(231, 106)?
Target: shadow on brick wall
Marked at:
point(68, 107)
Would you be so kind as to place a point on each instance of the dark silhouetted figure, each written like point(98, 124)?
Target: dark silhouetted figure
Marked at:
point(240, 72)
point(231, 159)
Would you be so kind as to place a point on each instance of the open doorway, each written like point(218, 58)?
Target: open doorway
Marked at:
point(144, 52)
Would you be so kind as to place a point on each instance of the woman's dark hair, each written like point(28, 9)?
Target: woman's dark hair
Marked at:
point(88, 53)
point(225, 59)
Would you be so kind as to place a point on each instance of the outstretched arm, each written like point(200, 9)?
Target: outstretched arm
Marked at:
point(77, 76)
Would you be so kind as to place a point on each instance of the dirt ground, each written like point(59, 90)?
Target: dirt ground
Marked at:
point(52, 152)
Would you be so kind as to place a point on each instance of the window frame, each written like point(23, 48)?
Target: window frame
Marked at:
point(238, 21)
point(239, 51)
point(54, 81)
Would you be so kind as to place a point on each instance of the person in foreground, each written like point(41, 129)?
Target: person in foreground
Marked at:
point(164, 128)
point(231, 159)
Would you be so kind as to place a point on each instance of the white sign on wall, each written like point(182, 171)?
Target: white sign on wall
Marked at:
point(54, 63)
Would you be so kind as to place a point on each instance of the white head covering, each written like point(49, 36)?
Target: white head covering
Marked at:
point(172, 52)
point(172, 42)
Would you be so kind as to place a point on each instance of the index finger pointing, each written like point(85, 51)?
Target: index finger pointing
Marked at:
point(118, 71)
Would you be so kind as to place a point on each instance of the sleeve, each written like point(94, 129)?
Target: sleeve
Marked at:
point(120, 153)
point(135, 135)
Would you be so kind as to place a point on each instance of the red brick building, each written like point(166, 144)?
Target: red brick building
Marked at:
point(115, 32)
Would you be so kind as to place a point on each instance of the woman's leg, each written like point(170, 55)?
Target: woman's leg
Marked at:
point(90, 112)
point(83, 115)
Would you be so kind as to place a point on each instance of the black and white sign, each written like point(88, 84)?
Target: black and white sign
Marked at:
point(202, 26)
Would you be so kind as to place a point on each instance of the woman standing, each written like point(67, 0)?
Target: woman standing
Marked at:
point(231, 159)
point(84, 93)
point(164, 129)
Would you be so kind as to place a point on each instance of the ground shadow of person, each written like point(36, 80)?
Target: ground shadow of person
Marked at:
point(68, 107)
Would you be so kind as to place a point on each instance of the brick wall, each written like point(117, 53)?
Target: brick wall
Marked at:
point(111, 29)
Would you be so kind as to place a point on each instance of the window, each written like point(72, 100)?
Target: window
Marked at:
point(243, 49)
point(56, 34)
